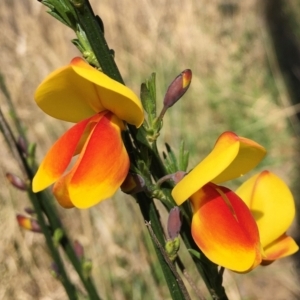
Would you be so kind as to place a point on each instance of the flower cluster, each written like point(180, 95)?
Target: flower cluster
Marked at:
point(237, 230)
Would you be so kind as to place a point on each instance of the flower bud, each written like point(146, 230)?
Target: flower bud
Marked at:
point(78, 248)
point(22, 145)
point(174, 223)
point(133, 183)
point(177, 88)
point(28, 223)
point(16, 181)
point(29, 210)
point(178, 176)
point(54, 270)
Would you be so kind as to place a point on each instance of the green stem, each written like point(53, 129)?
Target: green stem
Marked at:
point(70, 289)
point(208, 270)
point(55, 223)
point(95, 35)
point(150, 215)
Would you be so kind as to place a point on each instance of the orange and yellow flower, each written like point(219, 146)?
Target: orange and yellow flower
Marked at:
point(273, 208)
point(232, 229)
point(99, 105)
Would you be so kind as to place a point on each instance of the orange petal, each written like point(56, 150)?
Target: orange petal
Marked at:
point(61, 193)
point(224, 228)
point(100, 169)
point(232, 156)
point(282, 247)
point(271, 204)
point(59, 156)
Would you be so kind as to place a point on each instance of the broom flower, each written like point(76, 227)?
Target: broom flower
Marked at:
point(99, 106)
point(222, 225)
point(273, 208)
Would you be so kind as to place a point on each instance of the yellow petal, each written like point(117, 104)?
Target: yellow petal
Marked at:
point(231, 157)
point(271, 204)
point(113, 95)
point(282, 247)
point(66, 96)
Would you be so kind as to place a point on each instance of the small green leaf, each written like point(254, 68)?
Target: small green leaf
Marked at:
point(148, 97)
point(183, 157)
point(58, 17)
point(57, 236)
point(195, 253)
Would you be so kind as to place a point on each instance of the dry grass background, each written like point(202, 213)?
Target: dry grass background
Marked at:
point(236, 86)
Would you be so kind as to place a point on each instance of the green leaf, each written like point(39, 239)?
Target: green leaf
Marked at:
point(183, 157)
point(58, 17)
point(63, 11)
point(170, 160)
point(195, 253)
point(148, 97)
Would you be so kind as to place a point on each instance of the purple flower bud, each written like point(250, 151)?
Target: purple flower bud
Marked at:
point(79, 250)
point(28, 223)
point(174, 222)
point(29, 210)
point(178, 87)
point(178, 176)
point(16, 181)
point(22, 144)
point(54, 269)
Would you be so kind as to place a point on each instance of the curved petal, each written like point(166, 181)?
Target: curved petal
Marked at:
point(224, 229)
point(271, 204)
point(113, 95)
point(281, 247)
point(100, 169)
point(61, 193)
point(231, 157)
point(59, 156)
point(67, 96)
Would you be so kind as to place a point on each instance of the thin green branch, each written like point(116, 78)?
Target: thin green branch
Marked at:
point(94, 32)
point(169, 262)
point(70, 289)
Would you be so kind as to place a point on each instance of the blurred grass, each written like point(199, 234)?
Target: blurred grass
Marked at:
point(236, 86)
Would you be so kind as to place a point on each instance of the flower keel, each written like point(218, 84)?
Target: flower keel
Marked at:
point(224, 229)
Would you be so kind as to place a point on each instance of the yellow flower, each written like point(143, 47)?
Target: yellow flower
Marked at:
point(272, 205)
point(222, 225)
point(98, 104)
